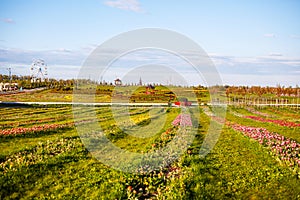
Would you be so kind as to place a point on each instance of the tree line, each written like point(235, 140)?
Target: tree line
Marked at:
point(279, 91)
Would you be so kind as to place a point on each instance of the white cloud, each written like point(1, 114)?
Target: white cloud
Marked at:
point(275, 54)
point(88, 49)
point(62, 50)
point(235, 70)
point(130, 5)
point(8, 20)
point(260, 79)
point(270, 66)
point(269, 35)
point(59, 56)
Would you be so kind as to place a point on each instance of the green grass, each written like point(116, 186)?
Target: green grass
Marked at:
point(10, 145)
point(56, 165)
point(109, 93)
point(42, 96)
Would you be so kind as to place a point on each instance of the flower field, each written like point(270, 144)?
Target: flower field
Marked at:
point(287, 150)
point(43, 157)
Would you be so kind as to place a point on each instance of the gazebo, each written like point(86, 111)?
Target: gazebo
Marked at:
point(118, 82)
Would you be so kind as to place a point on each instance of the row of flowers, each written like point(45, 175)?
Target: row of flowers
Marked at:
point(34, 129)
point(285, 149)
point(275, 121)
point(29, 122)
point(262, 119)
point(182, 120)
point(213, 116)
point(41, 128)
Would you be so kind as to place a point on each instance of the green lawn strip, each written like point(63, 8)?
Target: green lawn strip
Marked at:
point(286, 113)
point(35, 109)
point(38, 122)
point(108, 121)
point(203, 126)
point(42, 96)
point(34, 118)
point(289, 132)
point(121, 111)
point(281, 114)
point(241, 110)
point(122, 115)
point(145, 117)
point(22, 120)
point(41, 111)
point(85, 179)
point(63, 120)
point(136, 144)
point(138, 111)
point(246, 112)
point(34, 121)
point(287, 110)
point(12, 144)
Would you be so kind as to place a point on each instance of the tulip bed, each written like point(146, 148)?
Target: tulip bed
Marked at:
point(275, 121)
point(43, 157)
point(287, 150)
point(34, 129)
point(182, 120)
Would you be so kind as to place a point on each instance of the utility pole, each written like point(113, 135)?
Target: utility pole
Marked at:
point(298, 96)
point(9, 74)
point(9, 77)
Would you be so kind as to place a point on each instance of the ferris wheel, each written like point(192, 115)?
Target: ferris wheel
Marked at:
point(38, 70)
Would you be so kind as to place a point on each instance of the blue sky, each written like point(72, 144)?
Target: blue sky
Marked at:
point(250, 42)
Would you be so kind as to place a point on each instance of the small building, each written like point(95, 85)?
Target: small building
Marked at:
point(8, 87)
point(118, 82)
point(14, 86)
point(150, 89)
